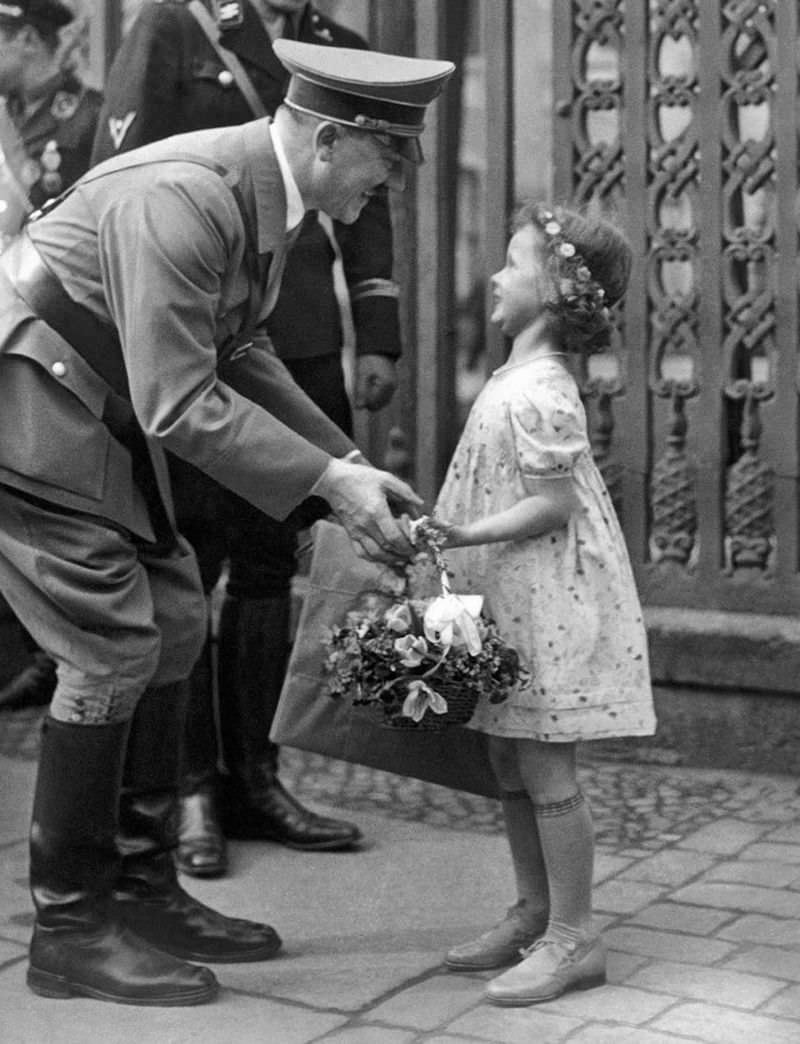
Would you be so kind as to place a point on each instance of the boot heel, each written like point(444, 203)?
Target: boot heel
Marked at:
point(48, 985)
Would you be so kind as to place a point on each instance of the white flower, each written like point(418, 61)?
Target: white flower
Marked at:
point(566, 250)
point(412, 649)
point(398, 618)
point(450, 620)
point(420, 698)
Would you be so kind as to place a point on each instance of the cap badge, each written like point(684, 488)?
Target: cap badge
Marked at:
point(64, 105)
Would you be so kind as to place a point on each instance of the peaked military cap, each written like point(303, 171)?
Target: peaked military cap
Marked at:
point(47, 13)
point(382, 93)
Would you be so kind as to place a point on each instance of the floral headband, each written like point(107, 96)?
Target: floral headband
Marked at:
point(574, 280)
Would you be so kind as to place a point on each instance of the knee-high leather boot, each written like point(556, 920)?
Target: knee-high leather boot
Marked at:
point(147, 893)
point(201, 848)
point(79, 946)
point(253, 653)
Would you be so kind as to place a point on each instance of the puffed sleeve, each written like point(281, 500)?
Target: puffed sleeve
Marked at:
point(549, 431)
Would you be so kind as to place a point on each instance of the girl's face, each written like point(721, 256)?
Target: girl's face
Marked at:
point(521, 289)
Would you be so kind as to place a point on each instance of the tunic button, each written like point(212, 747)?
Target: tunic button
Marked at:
point(59, 369)
point(225, 78)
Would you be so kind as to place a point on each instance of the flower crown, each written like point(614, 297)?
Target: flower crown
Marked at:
point(573, 278)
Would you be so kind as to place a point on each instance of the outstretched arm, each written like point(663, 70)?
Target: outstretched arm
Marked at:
point(547, 509)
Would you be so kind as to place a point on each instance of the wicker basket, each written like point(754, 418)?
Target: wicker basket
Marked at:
point(461, 702)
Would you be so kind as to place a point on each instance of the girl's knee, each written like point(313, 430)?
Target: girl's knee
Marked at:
point(549, 770)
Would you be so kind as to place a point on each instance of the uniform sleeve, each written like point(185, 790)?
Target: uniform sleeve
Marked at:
point(367, 258)
point(549, 430)
point(142, 91)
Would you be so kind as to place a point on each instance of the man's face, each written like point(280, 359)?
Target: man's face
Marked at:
point(11, 59)
point(351, 168)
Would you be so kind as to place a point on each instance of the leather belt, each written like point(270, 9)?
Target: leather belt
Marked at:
point(95, 341)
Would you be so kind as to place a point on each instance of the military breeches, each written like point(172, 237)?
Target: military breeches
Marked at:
point(115, 614)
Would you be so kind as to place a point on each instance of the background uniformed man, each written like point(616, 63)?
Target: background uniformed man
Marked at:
point(169, 77)
point(132, 324)
point(53, 112)
point(47, 125)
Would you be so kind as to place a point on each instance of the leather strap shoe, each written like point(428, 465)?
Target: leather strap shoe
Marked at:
point(273, 814)
point(201, 848)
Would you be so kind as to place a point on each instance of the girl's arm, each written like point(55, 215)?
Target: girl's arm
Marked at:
point(547, 509)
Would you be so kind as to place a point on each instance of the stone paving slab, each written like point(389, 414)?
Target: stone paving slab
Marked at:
point(696, 893)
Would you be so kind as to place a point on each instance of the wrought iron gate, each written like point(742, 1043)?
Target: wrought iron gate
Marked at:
point(682, 117)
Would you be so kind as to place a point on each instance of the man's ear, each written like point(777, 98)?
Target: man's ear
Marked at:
point(325, 137)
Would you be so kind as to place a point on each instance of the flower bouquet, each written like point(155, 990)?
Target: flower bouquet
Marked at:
point(421, 662)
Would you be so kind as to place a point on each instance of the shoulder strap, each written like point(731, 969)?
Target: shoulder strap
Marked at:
point(228, 58)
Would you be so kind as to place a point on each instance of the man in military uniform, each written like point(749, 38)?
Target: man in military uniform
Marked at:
point(132, 323)
point(168, 77)
point(47, 126)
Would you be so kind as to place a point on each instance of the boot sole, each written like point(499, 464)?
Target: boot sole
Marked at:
point(58, 987)
point(340, 845)
point(263, 953)
point(521, 1001)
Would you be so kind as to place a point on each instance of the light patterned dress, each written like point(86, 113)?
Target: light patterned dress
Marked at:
point(566, 600)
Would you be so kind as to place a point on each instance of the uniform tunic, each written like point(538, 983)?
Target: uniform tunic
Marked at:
point(565, 600)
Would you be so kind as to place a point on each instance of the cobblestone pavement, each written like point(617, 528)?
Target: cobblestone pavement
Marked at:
point(697, 892)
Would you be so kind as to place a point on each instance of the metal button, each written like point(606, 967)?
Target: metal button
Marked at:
point(225, 78)
point(59, 369)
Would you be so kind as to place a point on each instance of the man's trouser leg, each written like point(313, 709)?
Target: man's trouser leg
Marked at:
point(253, 653)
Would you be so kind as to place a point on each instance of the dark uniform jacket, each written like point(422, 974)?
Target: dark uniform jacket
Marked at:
point(167, 79)
point(57, 136)
point(160, 250)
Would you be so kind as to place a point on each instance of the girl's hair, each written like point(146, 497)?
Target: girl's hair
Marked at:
point(590, 262)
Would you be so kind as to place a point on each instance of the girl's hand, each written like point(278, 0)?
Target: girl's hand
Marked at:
point(438, 531)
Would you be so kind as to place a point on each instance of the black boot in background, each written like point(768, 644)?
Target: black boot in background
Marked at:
point(147, 894)
point(79, 947)
point(253, 654)
point(201, 848)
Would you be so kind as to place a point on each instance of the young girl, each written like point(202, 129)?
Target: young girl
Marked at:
point(544, 547)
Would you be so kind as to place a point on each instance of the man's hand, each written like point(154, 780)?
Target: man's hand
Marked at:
point(376, 380)
point(360, 496)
